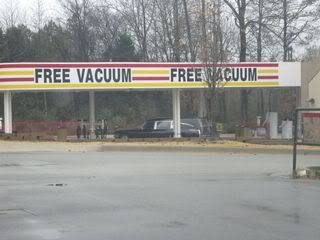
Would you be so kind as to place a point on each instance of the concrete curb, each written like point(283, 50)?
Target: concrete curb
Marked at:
point(213, 149)
point(29, 147)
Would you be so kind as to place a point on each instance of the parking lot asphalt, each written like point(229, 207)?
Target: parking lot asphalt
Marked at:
point(156, 195)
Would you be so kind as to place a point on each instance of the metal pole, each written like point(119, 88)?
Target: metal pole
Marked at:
point(176, 113)
point(7, 112)
point(295, 136)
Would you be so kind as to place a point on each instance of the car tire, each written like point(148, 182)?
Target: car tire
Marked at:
point(124, 137)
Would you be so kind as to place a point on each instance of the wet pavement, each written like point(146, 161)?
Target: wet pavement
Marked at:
point(156, 195)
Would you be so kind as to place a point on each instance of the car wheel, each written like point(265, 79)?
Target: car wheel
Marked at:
point(124, 137)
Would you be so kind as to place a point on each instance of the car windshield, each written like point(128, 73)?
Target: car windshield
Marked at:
point(148, 125)
point(186, 126)
point(163, 125)
point(193, 122)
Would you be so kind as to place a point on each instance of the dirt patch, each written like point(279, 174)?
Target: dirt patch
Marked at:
point(234, 146)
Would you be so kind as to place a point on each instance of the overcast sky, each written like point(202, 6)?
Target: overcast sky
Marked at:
point(27, 9)
point(52, 7)
point(47, 3)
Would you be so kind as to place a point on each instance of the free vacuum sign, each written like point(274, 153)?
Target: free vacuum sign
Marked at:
point(64, 76)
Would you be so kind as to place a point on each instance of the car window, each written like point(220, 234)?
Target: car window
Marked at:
point(193, 122)
point(163, 125)
point(186, 126)
point(148, 125)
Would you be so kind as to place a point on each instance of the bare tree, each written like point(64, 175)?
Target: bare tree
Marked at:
point(165, 29)
point(209, 70)
point(295, 21)
point(260, 20)
point(188, 28)
point(10, 13)
point(39, 15)
point(139, 15)
point(177, 30)
point(219, 50)
point(238, 8)
point(213, 53)
point(107, 25)
point(78, 13)
point(170, 32)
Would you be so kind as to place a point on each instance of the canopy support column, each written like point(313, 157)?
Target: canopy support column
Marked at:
point(92, 114)
point(176, 113)
point(7, 112)
point(202, 111)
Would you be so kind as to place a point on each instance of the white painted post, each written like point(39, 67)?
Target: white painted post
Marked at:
point(202, 111)
point(92, 116)
point(272, 127)
point(176, 113)
point(7, 112)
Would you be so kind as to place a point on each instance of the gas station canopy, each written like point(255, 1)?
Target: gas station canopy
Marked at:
point(91, 76)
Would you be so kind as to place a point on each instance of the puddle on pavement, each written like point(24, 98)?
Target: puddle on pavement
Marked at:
point(57, 185)
point(10, 165)
point(40, 230)
point(16, 211)
point(294, 217)
point(170, 224)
